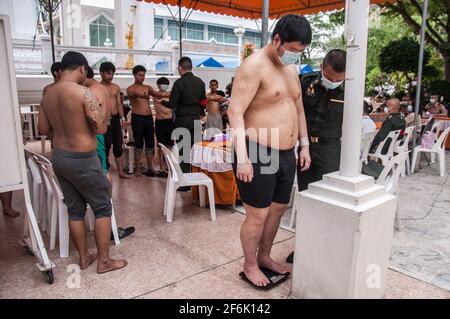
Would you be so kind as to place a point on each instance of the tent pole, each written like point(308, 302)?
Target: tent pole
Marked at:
point(420, 68)
point(265, 23)
point(52, 33)
point(180, 25)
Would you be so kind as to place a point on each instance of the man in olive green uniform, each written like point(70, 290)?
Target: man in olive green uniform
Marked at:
point(394, 122)
point(323, 100)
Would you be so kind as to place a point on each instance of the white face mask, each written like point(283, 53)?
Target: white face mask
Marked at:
point(330, 85)
point(410, 108)
point(432, 101)
point(163, 87)
point(289, 57)
point(386, 109)
point(414, 83)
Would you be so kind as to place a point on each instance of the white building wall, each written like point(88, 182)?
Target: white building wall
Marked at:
point(23, 17)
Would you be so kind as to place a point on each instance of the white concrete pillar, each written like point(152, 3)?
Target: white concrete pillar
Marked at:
point(144, 25)
point(357, 29)
point(71, 18)
point(345, 222)
point(123, 14)
point(46, 53)
point(239, 32)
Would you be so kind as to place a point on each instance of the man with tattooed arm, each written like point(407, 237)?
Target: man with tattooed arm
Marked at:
point(75, 116)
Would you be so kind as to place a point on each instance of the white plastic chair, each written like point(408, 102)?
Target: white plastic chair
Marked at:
point(436, 128)
point(366, 142)
point(392, 137)
point(178, 179)
point(389, 177)
point(37, 192)
point(437, 149)
point(60, 215)
point(402, 146)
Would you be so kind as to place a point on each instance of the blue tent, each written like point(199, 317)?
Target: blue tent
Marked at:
point(305, 69)
point(206, 62)
point(162, 66)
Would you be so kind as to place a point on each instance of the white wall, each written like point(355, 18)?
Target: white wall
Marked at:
point(22, 15)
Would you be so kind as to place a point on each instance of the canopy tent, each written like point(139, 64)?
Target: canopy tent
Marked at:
point(305, 69)
point(206, 62)
point(252, 9)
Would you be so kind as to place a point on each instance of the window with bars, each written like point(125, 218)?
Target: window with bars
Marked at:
point(221, 34)
point(252, 37)
point(191, 31)
point(99, 31)
point(159, 28)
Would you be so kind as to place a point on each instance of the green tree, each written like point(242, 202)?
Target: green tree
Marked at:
point(438, 24)
point(402, 56)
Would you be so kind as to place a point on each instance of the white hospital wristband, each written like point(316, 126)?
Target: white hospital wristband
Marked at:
point(304, 141)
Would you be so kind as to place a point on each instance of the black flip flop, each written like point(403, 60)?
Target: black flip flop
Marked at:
point(124, 232)
point(290, 258)
point(162, 174)
point(150, 173)
point(274, 278)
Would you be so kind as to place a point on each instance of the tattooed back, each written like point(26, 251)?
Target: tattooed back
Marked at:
point(72, 113)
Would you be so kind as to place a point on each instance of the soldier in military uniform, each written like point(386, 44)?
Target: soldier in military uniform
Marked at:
point(323, 100)
point(394, 122)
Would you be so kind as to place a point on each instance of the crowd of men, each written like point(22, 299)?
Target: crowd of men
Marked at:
point(270, 110)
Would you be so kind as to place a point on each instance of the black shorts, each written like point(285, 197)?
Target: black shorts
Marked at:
point(273, 176)
point(163, 130)
point(143, 132)
point(114, 137)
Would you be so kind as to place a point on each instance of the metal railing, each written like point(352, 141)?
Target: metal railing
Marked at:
point(35, 59)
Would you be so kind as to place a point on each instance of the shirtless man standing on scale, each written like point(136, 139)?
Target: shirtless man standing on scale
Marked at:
point(142, 121)
point(264, 102)
point(117, 121)
point(75, 116)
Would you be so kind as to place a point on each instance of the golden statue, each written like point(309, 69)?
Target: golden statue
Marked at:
point(130, 38)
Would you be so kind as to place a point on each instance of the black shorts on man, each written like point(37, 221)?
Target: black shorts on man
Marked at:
point(143, 133)
point(273, 176)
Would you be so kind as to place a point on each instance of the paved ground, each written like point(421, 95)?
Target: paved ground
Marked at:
point(422, 247)
point(190, 258)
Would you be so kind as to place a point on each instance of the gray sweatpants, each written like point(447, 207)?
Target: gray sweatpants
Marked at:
point(82, 181)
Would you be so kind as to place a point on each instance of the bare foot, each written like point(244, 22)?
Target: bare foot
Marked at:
point(256, 276)
point(86, 262)
point(110, 265)
point(272, 265)
point(11, 213)
point(125, 176)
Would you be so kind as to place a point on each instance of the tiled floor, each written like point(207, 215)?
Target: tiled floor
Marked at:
point(191, 258)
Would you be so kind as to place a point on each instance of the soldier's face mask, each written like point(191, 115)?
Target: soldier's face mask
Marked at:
point(330, 85)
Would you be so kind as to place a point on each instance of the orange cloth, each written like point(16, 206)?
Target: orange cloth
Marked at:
point(225, 188)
